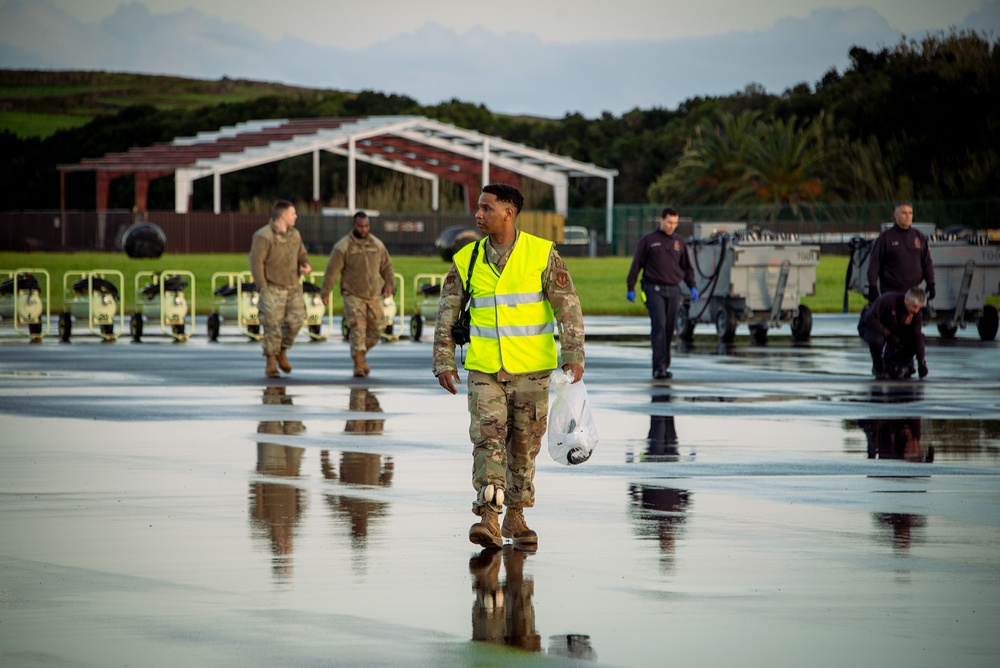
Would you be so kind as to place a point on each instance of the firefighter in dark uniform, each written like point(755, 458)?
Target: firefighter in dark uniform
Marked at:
point(663, 259)
point(892, 328)
point(900, 258)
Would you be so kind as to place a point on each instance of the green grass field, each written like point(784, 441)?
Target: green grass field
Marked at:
point(599, 281)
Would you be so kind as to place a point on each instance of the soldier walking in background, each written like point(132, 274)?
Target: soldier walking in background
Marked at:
point(366, 279)
point(277, 261)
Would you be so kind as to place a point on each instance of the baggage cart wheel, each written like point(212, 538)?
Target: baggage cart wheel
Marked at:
point(947, 330)
point(213, 327)
point(253, 329)
point(725, 324)
point(316, 330)
point(35, 328)
point(416, 327)
point(344, 329)
point(684, 326)
point(988, 323)
point(65, 327)
point(802, 324)
point(758, 333)
point(135, 327)
point(178, 329)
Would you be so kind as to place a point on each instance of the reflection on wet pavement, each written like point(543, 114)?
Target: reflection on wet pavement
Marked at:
point(659, 513)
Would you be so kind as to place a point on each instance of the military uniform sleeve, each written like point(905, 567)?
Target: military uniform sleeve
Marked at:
point(388, 274)
point(258, 253)
point(449, 306)
point(558, 287)
point(303, 255)
point(334, 266)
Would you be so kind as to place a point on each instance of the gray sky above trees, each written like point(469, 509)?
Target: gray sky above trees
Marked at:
point(543, 57)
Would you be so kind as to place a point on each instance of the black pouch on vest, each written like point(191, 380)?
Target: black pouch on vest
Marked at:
point(461, 330)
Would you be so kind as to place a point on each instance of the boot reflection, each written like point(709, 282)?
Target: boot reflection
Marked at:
point(358, 468)
point(660, 513)
point(275, 508)
point(902, 530)
point(662, 438)
point(363, 401)
point(503, 615)
point(895, 439)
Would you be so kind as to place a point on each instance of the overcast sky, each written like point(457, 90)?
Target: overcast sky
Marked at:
point(558, 56)
point(357, 23)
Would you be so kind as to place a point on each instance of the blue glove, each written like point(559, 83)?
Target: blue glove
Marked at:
point(630, 295)
point(694, 294)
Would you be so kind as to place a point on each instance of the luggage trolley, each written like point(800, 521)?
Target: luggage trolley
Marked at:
point(163, 298)
point(426, 296)
point(966, 272)
point(749, 275)
point(94, 298)
point(234, 297)
point(22, 304)
point(393, 314)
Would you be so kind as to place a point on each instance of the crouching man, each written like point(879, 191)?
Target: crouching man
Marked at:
point(891, 326)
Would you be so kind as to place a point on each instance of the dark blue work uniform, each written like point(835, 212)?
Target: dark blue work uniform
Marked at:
point(663, 260)
point(900, 260)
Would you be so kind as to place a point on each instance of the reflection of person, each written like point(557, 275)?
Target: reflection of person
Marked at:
point(662, 437)
point(891, 326)
point(900, 258)
point(275, 508)
point(362, 400)
point(519, 285)
point(906, 529)
point(660, 512)
point(503, 615)
point(662, 258)
point(277, 260)
point(895, 439)
point(366, 279)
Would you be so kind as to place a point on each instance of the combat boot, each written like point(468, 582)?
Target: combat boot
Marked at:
point(360, 365)
point(486, 532)
point(271, 370)
point(283, 362)
point(515, 528)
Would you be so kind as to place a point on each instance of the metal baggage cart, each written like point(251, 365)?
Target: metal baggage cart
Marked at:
point(234, 298)
point(426, 297)
point(749, 276)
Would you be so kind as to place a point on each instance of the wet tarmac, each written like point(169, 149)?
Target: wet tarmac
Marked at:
point(772, 505)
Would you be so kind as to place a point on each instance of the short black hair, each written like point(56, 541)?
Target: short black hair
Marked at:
point(279, 208)
point(359, 214)
point(506, 193)
point(669, 211)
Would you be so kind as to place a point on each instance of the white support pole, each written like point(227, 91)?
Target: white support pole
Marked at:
point(609, 216)
point(316, 176)
point(435, 193)
point(352, 177)
point(182, 192)
point(486, 161)
point(217, 192)
point(561, 195)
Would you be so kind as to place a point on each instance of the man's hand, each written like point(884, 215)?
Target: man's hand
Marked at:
point(389, 290)
point(872, 293)
point(326, 300)
point(931, 292)
point(450, 380)
point(922, 369)
point(893, 340)
point(576, 370)
point(630, 295)
point(305, 268)
point(694, 294)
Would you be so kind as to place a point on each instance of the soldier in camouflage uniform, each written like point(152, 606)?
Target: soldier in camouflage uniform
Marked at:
point(277, 260)
point(368, 279)
point(509, 391)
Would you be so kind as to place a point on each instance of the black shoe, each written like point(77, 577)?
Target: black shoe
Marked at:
point(662, 375)
point(908, 372)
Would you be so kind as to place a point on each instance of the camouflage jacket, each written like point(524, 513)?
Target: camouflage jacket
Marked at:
point(557, 285)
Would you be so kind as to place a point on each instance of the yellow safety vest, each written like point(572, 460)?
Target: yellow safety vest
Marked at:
point(511, 321)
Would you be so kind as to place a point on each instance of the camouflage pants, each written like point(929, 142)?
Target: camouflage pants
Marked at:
point(509, 419)
point(365, 320)
point(282, 312)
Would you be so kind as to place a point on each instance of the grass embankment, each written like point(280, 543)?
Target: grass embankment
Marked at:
point(599, 281)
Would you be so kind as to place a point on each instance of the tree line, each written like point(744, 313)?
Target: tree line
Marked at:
point(916, 120)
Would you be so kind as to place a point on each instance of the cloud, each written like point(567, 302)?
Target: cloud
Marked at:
point(514, 72)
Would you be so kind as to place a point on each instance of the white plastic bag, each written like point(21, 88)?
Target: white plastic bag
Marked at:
point(572, 432)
